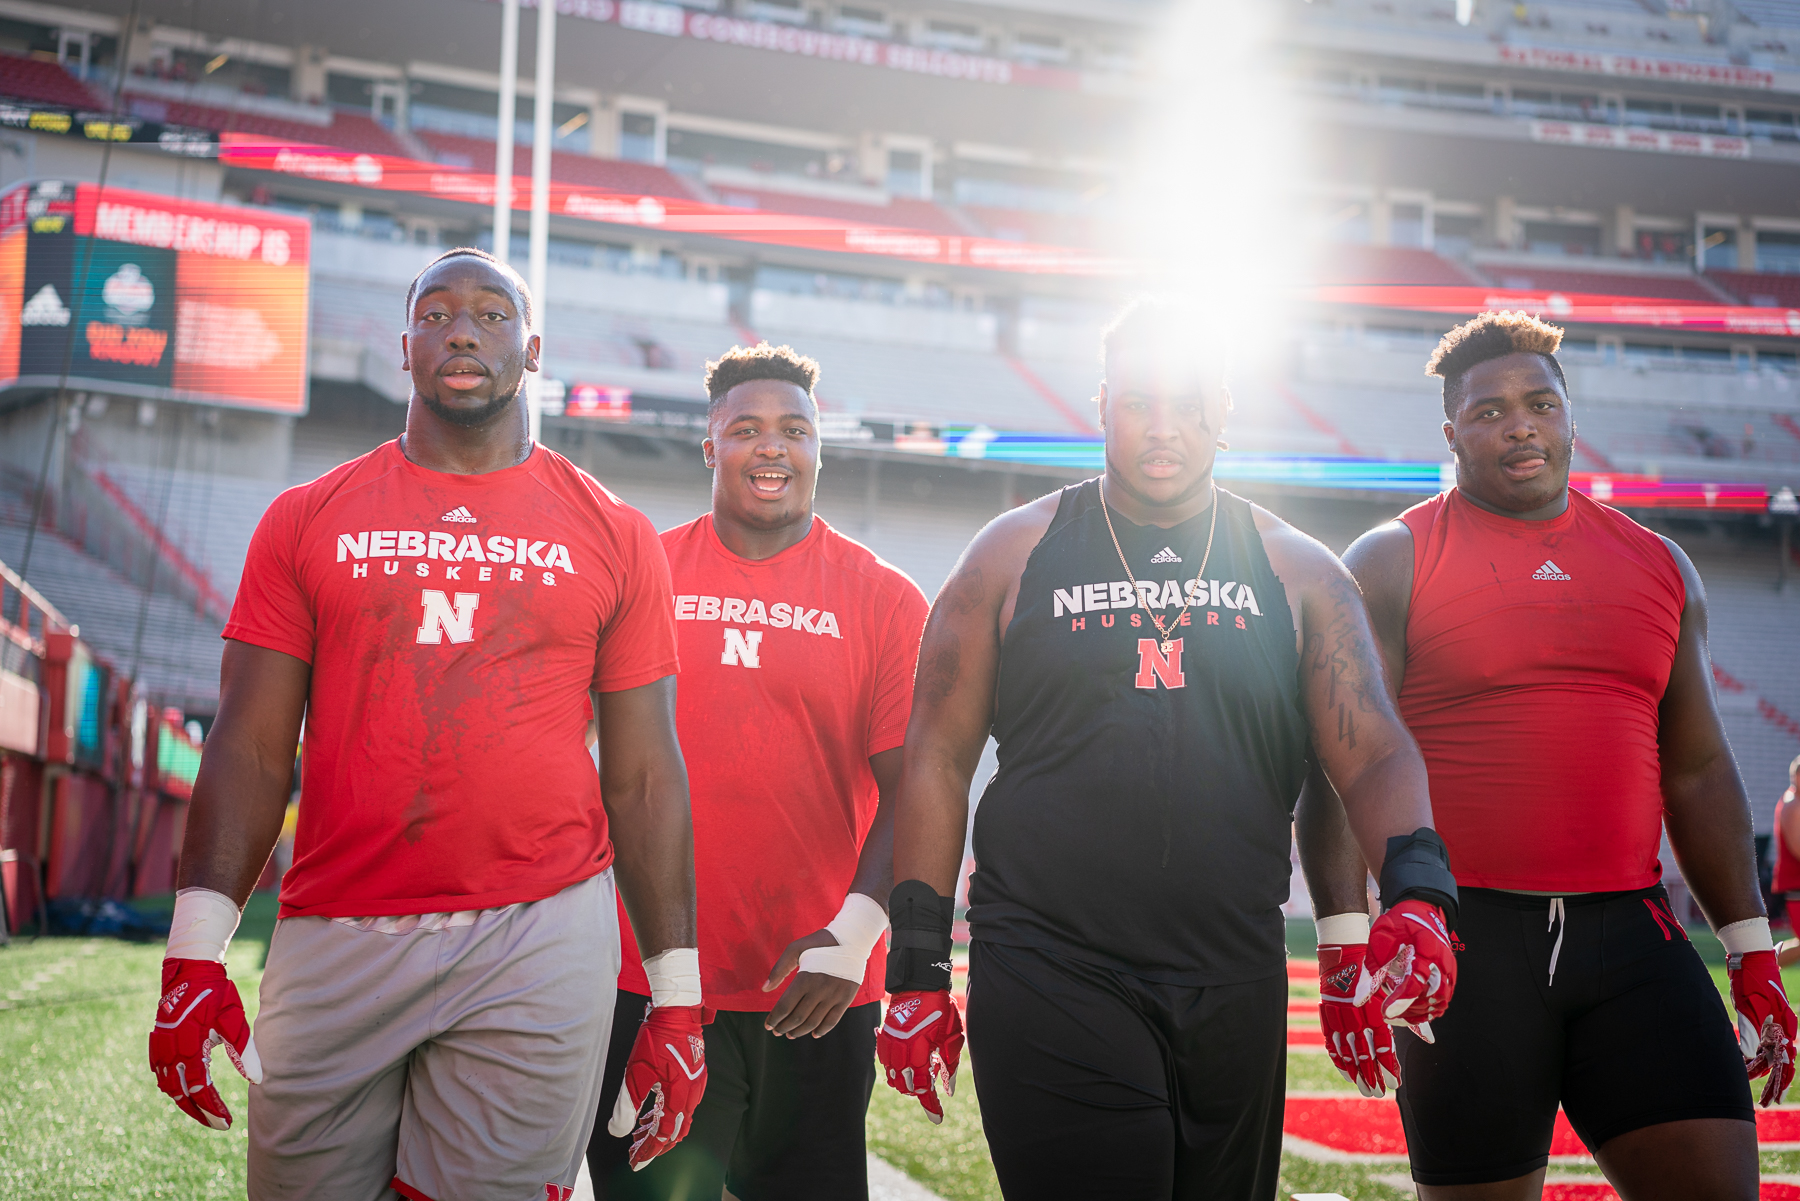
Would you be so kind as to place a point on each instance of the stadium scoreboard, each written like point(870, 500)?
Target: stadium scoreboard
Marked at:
point(151, 296)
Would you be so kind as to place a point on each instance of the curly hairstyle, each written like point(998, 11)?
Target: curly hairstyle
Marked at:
point(475, 252)
point(1492, 336)
point(743, 364)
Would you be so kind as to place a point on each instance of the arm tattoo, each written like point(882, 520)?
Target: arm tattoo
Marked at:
point(940, 666)
point(1343, 656)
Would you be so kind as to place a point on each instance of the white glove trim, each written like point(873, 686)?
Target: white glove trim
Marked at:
point(1342, 929)
point(1751, 934)
point(858, 926)
point(674, 977)
point(203, 924)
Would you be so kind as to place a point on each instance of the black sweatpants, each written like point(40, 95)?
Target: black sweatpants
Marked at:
point(1098, 1084)
point(782, 1119)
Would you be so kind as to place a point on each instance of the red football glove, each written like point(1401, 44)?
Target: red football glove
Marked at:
point(920, 1045)
point(667, 1067)
point(199, 1010)
point(1765, 1021)
point(1359, 1042)
point(1415, 969)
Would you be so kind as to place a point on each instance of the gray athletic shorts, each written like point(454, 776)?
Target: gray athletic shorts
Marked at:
point(456, 1065)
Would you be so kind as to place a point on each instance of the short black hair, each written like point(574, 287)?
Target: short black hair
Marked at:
point(474, 252)
point(1492, 336)
point(1163, 317)
point(743, 364)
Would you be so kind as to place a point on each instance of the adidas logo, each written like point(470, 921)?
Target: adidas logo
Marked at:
point(45, 308)
point(462, 514)
point(1165, 555)
point(1550, 571)
point(902, 1011)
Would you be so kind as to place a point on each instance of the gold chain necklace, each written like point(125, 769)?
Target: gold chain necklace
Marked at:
point(1168, 640)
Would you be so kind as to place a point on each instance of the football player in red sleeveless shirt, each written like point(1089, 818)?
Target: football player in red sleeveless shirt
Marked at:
point(1549, 654)
point(798, 648)
point(1787, 842)
point(436, 998)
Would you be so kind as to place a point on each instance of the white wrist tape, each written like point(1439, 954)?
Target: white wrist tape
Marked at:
point(857, 927)
point(1751, 934)
point(203, 924)
point(1342, 929)
point(674, 977)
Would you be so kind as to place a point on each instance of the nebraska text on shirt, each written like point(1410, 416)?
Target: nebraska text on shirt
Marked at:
point(435, 544)
point(1119, 594)
point(780, 616)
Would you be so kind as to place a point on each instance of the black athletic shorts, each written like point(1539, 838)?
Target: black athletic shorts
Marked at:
point(1100, 1085)
point(1630, 1032)
point(782, 1119)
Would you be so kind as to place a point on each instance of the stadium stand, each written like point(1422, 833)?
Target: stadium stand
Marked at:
point(1687, 289)
point(1021, 225)
point(906, 212)
point(347, 129)
point(1750, 629)
point(1770, 14)
point(1762, 289)
point(46, 83)
point(1347, 264)
point(618, 175)
point(177, 654)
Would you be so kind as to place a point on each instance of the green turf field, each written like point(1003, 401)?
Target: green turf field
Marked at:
point(80, 1116)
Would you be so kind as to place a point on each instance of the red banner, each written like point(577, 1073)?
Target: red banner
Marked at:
point(1572, 307)
point(393, 174)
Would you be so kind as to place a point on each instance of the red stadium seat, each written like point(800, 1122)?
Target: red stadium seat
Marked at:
point(45, 83)
point(348, 130)
point(1686, 289)
point(617, 175)
point(903, 211)
point(1350, 264)
point(1756, 288)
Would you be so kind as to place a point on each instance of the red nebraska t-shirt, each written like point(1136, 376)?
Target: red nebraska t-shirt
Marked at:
point(796, 669)
point(454, 624)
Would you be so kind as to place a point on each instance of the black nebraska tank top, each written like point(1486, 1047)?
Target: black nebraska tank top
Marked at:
point(1141, 813)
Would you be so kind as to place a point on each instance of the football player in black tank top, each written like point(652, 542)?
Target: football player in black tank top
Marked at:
point(1154, 656)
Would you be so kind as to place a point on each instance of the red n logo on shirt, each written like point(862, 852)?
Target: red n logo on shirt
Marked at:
point(441, 618)
point(1153, 665)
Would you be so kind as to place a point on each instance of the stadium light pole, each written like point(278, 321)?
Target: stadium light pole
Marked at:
point(542, 105)
point(503, 147)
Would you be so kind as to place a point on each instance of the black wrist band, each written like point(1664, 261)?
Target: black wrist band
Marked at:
point(1418, 867)
point(919, 943)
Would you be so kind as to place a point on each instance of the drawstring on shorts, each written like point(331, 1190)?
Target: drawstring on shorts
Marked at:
point(1559, 918)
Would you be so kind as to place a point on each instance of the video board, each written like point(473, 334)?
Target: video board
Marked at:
point(146, 295)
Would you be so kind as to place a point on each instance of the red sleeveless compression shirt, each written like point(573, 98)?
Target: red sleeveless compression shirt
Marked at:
point(1787, 864)
point(1537, 653)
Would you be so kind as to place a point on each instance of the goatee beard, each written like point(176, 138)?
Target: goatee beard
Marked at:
point(471, 418)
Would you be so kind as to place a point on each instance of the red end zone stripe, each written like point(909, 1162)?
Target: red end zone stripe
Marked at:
point(1357, 1126)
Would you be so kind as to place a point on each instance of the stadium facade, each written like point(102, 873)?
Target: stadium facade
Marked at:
point(929, 199)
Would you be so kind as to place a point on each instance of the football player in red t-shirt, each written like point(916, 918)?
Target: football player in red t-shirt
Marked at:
point(444, 613)
point(798, 647)
point(1549, 654)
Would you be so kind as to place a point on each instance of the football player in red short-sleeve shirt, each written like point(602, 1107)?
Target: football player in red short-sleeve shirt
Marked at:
point(446, 612)
point(1549, 654)
point(797, 648)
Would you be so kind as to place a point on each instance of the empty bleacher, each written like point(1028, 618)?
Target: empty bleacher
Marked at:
point(1687, 289)
point(1762, 289)
point(611, 174)
point(1349, 264)
point(177, 655)
point(1770, 14)
point(43, 82)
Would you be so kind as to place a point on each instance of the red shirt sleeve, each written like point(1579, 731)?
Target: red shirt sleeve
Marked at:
point(637, 645)
point(894, 673)
point(272, 610)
